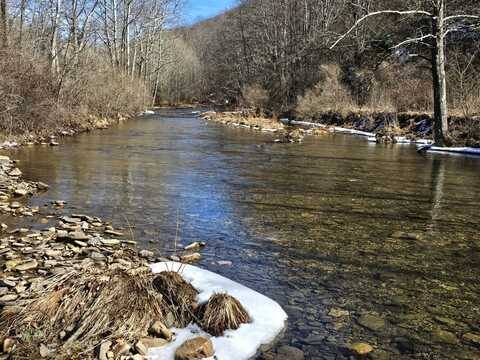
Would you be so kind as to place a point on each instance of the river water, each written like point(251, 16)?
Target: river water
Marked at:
point(311, 225)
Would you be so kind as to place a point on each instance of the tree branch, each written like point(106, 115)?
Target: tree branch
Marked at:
point(415, 40)
point(383, 12)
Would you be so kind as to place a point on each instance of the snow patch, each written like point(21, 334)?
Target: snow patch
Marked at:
point(455, 150)
point(268, 318)
point(148, 112)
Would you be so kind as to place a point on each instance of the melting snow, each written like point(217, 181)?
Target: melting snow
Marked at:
point(268, 318)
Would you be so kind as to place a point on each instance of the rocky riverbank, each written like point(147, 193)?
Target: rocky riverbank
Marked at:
point(53, 136)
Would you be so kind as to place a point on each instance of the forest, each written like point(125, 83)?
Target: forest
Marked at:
point(70, 59)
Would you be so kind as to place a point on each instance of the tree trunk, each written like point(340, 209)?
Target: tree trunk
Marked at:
point(54, 40)
point(3, 23)
point(440, 125)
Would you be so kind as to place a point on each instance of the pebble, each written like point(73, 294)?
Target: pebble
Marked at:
point(372, 322)
point(360, 348)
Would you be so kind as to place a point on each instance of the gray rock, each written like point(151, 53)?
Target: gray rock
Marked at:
point(290, 353)
point(372, 322)
point(104, 349)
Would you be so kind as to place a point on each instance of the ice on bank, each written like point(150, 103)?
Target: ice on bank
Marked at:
point(268, 317)
point(451, 150)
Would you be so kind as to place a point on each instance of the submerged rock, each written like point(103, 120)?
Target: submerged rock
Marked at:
point(372, 322)
point(360, 348)
point(289, 353)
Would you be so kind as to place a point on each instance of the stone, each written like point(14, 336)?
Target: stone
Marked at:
point(110, 242)
point(472, 338)
point(289, 353)
point(8, 345)
point(70, 220)
point(44, 351)
point(80, 243)
point(337, 313)
point(197, 348)
point(41, 186)
point(7, 283)
point(141, 348)
point(371, 322)
point(360, 348)
point(120, 348)
point(444, 337)
point(406, 236)
point(158, 329)
point(195, 245)
point(77, 235)
point(54, 143)
point(114, 233)
point(191, 258)
point(138, 357)
point(15, 172)
point(146, 254)
point(3, 291)
point(150, 343)
point(103, 350)
point(29, 265)
point(20, 192)
point(8, 298)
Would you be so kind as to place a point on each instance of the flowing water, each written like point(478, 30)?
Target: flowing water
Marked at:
point(311, 225)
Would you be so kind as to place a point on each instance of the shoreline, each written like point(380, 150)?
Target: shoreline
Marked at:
point(55, 252)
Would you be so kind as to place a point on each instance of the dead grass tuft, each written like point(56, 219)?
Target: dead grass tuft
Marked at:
point(222, 312)
point(179, 295)
point(87, 307)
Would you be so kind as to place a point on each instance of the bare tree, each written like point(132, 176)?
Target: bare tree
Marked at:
point(3, 23)
point(441, 24)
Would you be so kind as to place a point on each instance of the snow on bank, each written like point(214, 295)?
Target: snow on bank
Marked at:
point(453, 150)
point(331, 128)
point(268, 318)
point(403, 140)
point(147, 112)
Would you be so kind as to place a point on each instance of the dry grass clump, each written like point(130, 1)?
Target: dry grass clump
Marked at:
point(179, 295)
point(75, 311)
point(222, 312)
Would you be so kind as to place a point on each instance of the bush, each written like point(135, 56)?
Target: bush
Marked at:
point(32, 101)
point(256, 97)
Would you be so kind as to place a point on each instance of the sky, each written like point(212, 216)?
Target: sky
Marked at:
point(203, 9)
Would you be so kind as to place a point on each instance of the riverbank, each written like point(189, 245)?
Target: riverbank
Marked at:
point(378, 127)
point(75, 286)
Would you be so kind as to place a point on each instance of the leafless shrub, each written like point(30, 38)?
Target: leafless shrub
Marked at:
point(328, 95)
point(256, 97)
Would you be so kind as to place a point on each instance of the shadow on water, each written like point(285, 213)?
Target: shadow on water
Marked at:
point(315, 226)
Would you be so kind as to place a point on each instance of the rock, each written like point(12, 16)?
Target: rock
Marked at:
point(337, 313)
point(78, 235)
point(360, 348)
point(141, 348)
point(120, 348)
point(371, 322)
point(110, 242)
point(44, 351)
point(15, 172)
point(8, 298)
point(444, 337)
point(20, 192)
point(191, 258)
point(70, 220)
point(41, 186)
point(138, 357)
point(150, 343)
point(4, 158)
point(197, 348)
point(7, 283)
point(195, 245)
point(114, 233)
point(146, 254)
point(80, 243)
point(3, 291)
point(54, 143)
point(29, 265)
point(289, 353)
point(472, 338)
point(8, 345)
point(104, 348)
point(158, 329)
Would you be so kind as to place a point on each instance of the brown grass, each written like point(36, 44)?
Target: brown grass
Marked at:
point(90, 306)
point(179, 295)
point(222, 312)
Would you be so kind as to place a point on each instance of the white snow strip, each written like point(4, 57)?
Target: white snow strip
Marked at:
point(372, 139)
point(455, 150)
point(269, 130)
point(268, 318)
point(147, 112)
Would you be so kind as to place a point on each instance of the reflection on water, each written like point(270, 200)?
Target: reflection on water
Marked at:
point(310, 225)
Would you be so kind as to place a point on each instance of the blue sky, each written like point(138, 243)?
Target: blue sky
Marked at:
point(202, 9)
